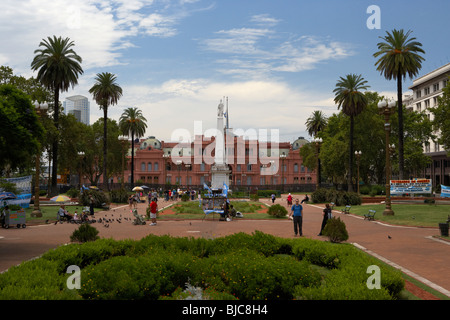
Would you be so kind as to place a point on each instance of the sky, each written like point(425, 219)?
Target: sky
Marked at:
point(276, 62)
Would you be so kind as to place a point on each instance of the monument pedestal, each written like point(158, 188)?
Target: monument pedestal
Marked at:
point(220, 174)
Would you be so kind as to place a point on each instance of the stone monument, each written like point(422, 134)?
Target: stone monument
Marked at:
point(220, 173)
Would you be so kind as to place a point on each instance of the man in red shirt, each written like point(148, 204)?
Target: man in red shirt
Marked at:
point(153, 211)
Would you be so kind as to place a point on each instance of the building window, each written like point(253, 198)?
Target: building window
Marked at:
point(156, 166)
point(435, 101)
point(249, 181)
point(418, 94)
point(302, 168)
point(238, 167)
point(296, 180)
point(419, 107)
point(435, 87)
point(249, 167)
point(295, 167)
point(202, 167)
point(143, 166)
point(426, 90)
point(427, 103)
point(149, 166)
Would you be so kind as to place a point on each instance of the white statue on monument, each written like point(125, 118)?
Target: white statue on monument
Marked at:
point(220, 171)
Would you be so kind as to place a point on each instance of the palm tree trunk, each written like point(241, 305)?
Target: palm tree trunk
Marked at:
point(401, 160)
point(350, 158)
point(132, 159)
point(105, 130)
point(54, 187)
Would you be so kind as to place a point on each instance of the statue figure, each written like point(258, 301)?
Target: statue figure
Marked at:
point(220, 109)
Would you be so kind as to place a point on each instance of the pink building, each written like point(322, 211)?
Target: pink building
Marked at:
point(159, 163)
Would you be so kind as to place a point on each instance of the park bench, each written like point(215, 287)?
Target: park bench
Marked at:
point(346, 209)
point(370, 215)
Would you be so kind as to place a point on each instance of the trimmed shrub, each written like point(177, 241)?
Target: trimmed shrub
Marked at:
point(335, 230)
point(84, 233)
point(119, 196)
point(340, 198)
point(239, 266)
point(99, 198)
point(277, 210)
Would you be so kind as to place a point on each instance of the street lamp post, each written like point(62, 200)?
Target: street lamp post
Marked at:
point(282, 156)
point(358, 156)
point(41, 110)
point(124, 142)
point(80, 156)
point(386, 109)
point(317, 142)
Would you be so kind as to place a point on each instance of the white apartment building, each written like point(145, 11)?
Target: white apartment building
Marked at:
point(425, 91)
point(79, 106)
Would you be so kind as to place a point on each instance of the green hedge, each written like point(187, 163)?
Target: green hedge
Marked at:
point(339, 198)
point(239, 266)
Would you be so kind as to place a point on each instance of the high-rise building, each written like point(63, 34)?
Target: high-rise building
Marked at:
point(79, 106)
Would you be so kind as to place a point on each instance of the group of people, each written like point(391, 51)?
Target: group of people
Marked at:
point(228, 211)
point(296, 212)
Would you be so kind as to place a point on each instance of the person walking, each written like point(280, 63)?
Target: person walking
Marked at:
point(297, 217)
point(91, 205)
point(289, 200)
point(153, 211)
point(326, 215)
point(273, 198)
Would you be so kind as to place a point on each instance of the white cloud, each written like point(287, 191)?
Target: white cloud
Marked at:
point(250, 54)
point(100, 29)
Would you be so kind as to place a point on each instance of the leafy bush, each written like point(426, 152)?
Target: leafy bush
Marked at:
point(85, 233)
point(239, 266)
point(340, 198)
point(119, 196)
point(254, 197)
point(335, 229)
point(277, 210)
point(73, 193)
point(99, 198)
point(185, 197)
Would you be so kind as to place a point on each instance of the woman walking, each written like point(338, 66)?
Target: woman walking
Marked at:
point(326, 215)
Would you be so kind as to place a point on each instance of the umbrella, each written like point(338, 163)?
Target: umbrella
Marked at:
point(137, 189)
point(94, 188)
point(60, 198)
point(145, 187)
point(7, 195)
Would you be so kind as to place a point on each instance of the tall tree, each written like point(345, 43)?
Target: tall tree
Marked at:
point(106, 92)
point(316, 123)
point(58, 68)
point(133, 123)
point(398, 57)
point(351, 99)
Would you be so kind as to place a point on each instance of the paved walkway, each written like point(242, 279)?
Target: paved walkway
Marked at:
point(413, 250)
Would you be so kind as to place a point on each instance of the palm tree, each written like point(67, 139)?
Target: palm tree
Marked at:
point(399, 56)
point(349, 97)
point(132, 122)
point(58, 68)
point(106, 92)
point(316, 123)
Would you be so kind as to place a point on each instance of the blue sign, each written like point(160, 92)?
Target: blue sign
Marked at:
point(445, 191)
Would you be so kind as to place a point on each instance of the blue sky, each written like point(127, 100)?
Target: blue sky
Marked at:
point(276, 61)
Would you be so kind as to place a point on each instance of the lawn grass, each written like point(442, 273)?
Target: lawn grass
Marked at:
point(191, 210)
point(49, 212)
point(416, 215)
